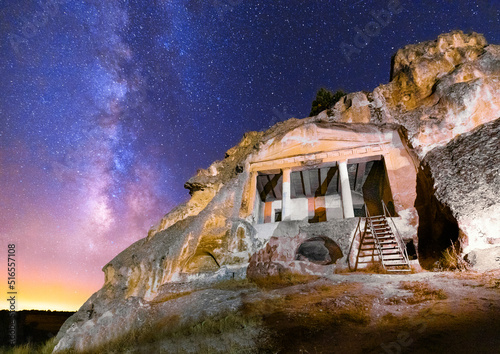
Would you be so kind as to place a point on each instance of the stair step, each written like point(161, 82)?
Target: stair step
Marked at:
point(382, 231)
point(385, 237)
point(395, 263)
point(390, 251)
point(393, 257)
point(399, 270)
point(368, 244)
point(388, 242)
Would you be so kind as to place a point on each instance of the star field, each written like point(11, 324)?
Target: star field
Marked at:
point(108, 107)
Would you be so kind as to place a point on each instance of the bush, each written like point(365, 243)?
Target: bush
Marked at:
point(451, 260)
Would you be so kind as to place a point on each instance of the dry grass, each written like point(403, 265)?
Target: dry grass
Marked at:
point(306, 312)
point(322, 305)
point(487, 279)
point(451, 260)
point(283, 280)
point(493, 283)
point(422, 291)
point(45, 348)
point(374, 268)
point(234, 284)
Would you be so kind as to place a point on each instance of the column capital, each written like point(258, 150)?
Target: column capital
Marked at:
point(286, 174)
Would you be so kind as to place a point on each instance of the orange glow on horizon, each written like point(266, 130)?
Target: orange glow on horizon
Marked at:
point(52, 296)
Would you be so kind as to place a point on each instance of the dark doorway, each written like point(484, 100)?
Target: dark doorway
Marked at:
point(319, 250)
point(376, 189)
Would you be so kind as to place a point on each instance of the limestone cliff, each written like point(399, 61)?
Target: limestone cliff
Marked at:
point(462, 180)
point(439, 90)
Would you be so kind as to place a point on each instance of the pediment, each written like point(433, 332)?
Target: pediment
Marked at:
point(311, 138)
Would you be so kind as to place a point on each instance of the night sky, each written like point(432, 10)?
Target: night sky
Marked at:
point(108, 107)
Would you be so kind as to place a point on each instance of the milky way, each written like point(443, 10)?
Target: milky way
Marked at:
point(108, 107)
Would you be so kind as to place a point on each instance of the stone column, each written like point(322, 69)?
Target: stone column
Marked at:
point(286, 207)
point(253, 198)
point(346, 191)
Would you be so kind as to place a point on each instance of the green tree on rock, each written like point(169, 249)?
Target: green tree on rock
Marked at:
point(325, 99)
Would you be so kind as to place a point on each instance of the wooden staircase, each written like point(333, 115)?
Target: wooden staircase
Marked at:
point(380, 244)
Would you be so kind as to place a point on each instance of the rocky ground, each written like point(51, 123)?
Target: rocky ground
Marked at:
point(428, 312)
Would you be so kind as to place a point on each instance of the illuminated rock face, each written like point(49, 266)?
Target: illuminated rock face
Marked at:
point(438, 90)
point(287, 200)
point(464, 192)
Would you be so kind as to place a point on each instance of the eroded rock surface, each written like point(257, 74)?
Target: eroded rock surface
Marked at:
point(465, 178)
point(439, 91)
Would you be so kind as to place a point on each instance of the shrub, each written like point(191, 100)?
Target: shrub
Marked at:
point(451, 260)
point(325, 99)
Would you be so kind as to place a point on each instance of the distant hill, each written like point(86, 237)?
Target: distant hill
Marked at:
point(33, 326)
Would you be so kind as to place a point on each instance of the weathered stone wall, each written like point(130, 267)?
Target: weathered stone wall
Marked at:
point(460, 189)
point(279, 256)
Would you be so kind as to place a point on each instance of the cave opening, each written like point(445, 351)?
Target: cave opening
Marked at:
point(319, 250)
point(437, 228)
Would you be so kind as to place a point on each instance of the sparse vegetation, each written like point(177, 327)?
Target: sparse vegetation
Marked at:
point(29, 348)
point(318, 314)
point(422, 292)
point(451, 260)
point(373, 268)
point(234, 284)
point(283, 280)
point(306, 311)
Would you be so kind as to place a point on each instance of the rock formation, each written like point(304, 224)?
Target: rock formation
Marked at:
point(464, 203)
point(287, 199)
